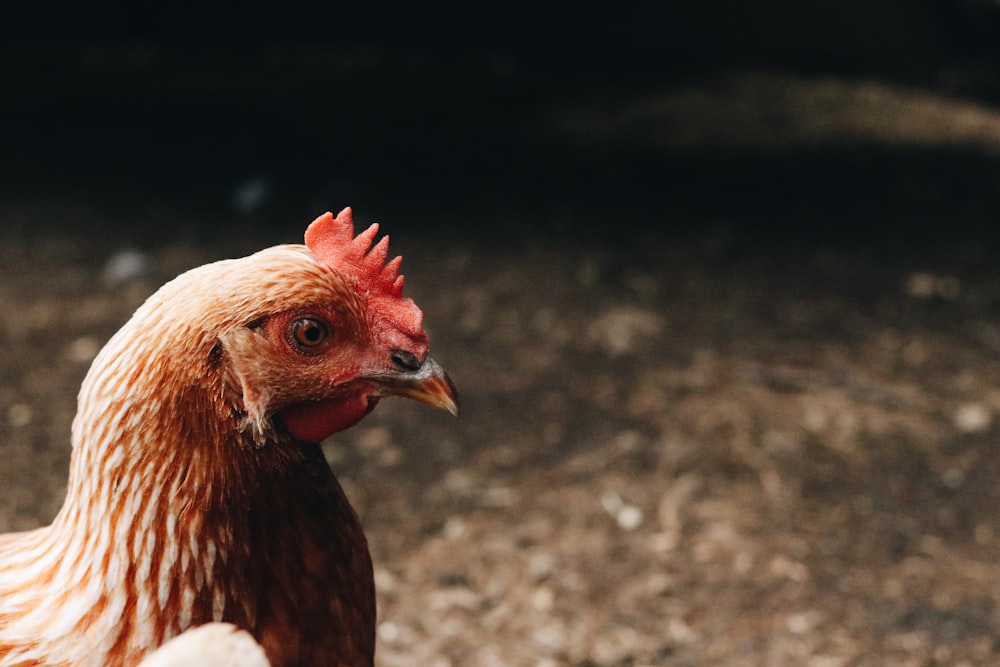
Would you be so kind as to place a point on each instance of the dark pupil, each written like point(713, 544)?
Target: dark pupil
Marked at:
point(310, 332)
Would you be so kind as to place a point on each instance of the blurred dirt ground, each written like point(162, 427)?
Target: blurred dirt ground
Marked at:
point(675, 449)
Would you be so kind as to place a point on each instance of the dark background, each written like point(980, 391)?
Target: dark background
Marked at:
point(446, 119)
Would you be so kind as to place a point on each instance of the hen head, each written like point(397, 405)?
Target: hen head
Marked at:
point(334, 335)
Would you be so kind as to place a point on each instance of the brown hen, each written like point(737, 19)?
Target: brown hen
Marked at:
point(197, 489)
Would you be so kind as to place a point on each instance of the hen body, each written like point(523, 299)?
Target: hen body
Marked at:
point(197, 489)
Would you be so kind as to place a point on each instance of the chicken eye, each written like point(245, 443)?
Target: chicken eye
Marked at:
point(309, 333)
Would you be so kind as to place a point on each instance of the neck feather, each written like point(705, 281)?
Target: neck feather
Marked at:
point(174, 518)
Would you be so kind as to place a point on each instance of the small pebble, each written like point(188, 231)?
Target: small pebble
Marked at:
point(619, 330)
point(973, 418)
point(83, 350)
point(541, 565)
point(125, 266)
point(629, 517)
point(543, 599)
point(920, 285)
point(453, 528)
point(498, 496)
point(385, 580)
point(924, 285)
point(251, 195)
point(800, 624)
point(373, 438)
point(20, 415)
point(953, 478)
point(388, 631)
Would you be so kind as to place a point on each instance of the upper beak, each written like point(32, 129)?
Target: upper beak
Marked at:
point(428, 384)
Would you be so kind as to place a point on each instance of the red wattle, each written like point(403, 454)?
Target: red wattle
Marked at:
point(318, 420)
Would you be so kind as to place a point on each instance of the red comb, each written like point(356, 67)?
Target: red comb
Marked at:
point(334, 244)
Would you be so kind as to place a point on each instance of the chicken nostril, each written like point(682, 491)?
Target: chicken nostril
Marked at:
point(406, 361)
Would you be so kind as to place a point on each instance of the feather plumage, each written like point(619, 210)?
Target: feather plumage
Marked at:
point(193, 497)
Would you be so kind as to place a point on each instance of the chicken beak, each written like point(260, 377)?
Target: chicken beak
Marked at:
point(429, 385)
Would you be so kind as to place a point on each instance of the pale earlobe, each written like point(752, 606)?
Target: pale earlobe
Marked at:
point(253, 397)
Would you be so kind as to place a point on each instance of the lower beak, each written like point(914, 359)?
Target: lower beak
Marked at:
point(429, 385)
